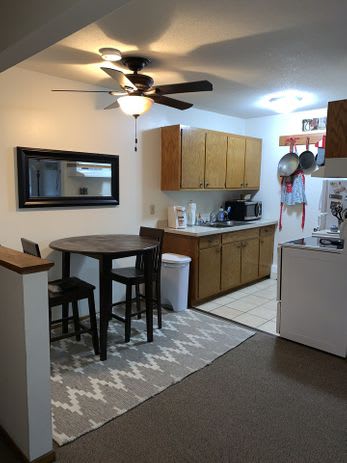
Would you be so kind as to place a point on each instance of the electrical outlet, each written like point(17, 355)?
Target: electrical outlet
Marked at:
point(152, 209)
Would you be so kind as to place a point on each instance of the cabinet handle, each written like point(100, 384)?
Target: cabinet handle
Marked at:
point(241, 184)
point(262, 241)
point(206, 184)
point(246, 184)
point(201, 184)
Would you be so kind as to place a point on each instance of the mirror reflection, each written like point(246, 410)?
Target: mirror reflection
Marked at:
point(60, 178)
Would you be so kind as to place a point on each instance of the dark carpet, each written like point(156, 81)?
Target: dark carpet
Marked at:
point(268, 400)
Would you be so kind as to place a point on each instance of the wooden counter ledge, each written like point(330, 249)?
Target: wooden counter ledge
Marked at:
point(22, 263)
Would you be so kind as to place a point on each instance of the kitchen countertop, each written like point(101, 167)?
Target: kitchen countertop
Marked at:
point(200, 230)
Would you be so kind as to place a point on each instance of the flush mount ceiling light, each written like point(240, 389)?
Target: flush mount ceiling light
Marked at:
point(286, 101)
point(135, 105)
point(110, 54)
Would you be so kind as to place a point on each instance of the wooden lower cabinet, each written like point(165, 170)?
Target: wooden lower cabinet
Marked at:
point(231, 266)
point(209, 272)
point(266, 246)
point(223, 262)
point(250, 260)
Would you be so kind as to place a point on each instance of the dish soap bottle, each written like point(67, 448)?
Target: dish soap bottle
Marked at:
point(191, 213)
point(221, 215)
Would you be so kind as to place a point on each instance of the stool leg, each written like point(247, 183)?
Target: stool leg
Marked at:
point(158, 296)
point(128, 314)
point(76, 320)
point(65, 316)
point(138, 302)
point(93, 324)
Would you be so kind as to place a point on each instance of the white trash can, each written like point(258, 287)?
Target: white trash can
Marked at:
point(174, 281)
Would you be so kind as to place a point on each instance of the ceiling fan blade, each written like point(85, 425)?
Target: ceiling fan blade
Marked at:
point(171, 102)
point(184, 87)
point(121, 78)
point(113, 105)
point(81, 91)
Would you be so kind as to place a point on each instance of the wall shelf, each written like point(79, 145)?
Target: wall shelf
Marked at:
point(301, 138)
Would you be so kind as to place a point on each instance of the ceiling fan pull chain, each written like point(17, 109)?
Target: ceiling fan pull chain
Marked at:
point(135, 116)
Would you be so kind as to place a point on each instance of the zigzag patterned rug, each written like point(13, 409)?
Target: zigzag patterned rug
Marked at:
point(87, 393)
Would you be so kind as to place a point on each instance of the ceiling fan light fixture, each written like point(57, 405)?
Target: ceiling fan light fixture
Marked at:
point(110, 54)
point(135, 105)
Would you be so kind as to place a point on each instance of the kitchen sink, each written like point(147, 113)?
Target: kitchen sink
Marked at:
point(226, 224)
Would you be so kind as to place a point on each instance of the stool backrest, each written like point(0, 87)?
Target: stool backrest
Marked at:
point(153, 234)
point(29, 247)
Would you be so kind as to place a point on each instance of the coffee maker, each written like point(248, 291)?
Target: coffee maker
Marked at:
point(177, 217)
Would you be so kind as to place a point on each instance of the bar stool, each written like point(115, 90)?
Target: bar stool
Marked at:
point(66, 291)
point(134, 276)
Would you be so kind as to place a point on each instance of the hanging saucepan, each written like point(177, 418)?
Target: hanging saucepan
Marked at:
point(288, 163)
point(307, 160)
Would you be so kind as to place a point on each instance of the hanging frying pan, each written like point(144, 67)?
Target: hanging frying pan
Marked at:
point(307, 160)
point(288, 163)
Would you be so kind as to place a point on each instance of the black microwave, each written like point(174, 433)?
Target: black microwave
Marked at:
point(241, 209)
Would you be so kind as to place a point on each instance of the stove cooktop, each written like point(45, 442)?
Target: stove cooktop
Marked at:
point(316, 242)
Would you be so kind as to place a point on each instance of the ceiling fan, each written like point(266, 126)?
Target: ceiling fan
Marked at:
point(137, 92)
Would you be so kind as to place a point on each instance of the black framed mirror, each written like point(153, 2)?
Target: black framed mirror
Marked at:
point(51, 178)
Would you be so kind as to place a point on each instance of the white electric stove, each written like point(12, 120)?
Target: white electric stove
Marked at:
point(311, 293)
point(327, 233)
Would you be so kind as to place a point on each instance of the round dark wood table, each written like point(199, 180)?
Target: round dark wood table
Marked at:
point(105, 248)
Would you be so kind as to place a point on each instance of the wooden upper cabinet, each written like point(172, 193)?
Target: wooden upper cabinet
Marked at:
point(171, 157)
point(252, 163)
point(336, 137)
point(235, 162)
point(216, 156)
point(205, 159)
point(193, 158)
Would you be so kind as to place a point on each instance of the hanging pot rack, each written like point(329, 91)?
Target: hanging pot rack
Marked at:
point(301, 139)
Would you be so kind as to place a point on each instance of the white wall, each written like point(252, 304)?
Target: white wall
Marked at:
point(31, 115)
point(269, 129)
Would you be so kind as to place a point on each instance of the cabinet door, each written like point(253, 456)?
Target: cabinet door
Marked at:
point(209, 271)
point(336, 142)
point(216, 156)
point(171, 158)
point(193, 158)
point(266, 244)
point(250, 260)
point(252, 163)
point(235, 162)
point(231, 265)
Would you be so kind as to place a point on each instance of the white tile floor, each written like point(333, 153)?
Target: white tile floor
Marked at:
point(254, 306)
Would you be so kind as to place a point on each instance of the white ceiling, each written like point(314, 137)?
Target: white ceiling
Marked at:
point(27, 27)
point(246, 48)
